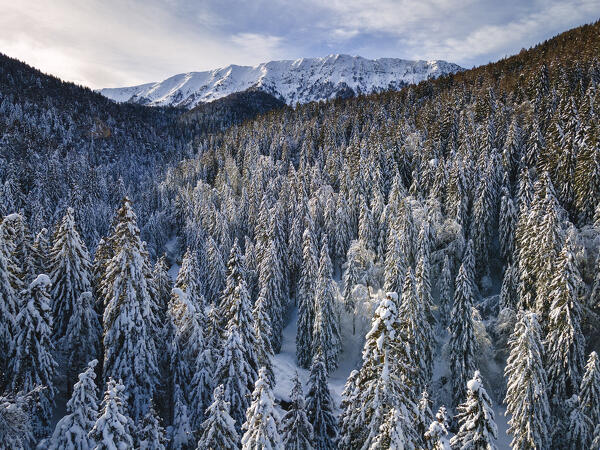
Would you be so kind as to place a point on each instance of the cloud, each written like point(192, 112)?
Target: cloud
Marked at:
point(124, 42)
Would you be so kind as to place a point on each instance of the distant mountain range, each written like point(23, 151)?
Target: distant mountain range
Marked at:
point(299, 81)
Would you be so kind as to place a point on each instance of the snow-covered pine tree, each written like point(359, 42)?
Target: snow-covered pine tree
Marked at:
point(31, 361)
point(417, 331)
point(589, 393)
point(41, 251)
point(112, 429)
point(8, 311)
point(71, 432)
point(391, 433)
point(262, 331)
point(216, 271)
point(565, 344)
point(151, 434)
point(16, 426)
point(446, 292)
point(437, 433)
point(462, 339)
point(262, 421)
point(596, 440)
point(269, 286)
point(306, 299)
point(579, 429)
point(130, 323)
point(509, 297)
point(424, 418)
point(82, 335)
point(296, 430)
point(162, 285)
point(326, 331)
point(395, 263)
point(526, 395)
point(70, 272)
point(218, 430)
point(507, 225)
point(477, 428)
point(351, 278)
point(320, 407)
point(180, 436)
point(380, 385)
point(235, 373)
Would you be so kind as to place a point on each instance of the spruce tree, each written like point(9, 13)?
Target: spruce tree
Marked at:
point(297, 432)
point(262, 421)
point(446, 292)
point(262, 331)
point(579, 429)
point(589, 393)
point(306, 299)
point(320, 405)
point(382, 382)
point(391, 432)
point(32, 362)
point(526, 395)
point(129, 315)
point(351, 278)
point(181, 436)
point(71, 432)
point(462, 338)
point(477, 428)
point(218, 430)
point(151, 434)
point(395, 263)
point(216, 271)
point(326, 331)
point(82, 336)
point(8, 311)
point(436, 435)
point(112, 429)
point(564, 342)
point(162, 285)
point(70, 272)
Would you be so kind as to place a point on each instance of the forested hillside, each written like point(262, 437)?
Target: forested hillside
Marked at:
point(454, 224)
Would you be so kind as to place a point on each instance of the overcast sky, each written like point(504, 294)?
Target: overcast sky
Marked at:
point(112, 43)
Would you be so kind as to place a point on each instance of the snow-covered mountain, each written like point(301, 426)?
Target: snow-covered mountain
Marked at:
point(299, 81)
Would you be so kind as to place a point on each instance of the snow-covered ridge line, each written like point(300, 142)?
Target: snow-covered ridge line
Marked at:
point(295, 81)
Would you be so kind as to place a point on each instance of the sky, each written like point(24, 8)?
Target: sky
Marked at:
point(113, 43)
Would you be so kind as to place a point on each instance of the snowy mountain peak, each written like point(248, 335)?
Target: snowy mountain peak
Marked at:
point(294, 81)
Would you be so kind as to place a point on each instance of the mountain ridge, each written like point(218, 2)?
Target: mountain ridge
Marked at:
point(293, 81)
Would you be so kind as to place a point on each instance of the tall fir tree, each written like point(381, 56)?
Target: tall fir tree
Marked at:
point(462, 338)
point(70, 272)
point(218, 430)
point(262, 421)
point(589, 392)
point(477, 428)
point(112, 429)
point(130, 322)
point(262, 331)
point(32, 360)
point(296, 432)
point(306, 299)
point(320, 406)
point(71, 432)
point(8, 310)
point(326, 331)
point(526, 395)
point(151, 434)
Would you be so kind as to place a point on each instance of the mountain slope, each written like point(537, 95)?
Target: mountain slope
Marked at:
point(299, 81)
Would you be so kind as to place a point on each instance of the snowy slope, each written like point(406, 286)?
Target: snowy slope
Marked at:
point(299, 81)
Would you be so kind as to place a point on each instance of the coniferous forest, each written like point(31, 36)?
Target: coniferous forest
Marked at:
point(414, 269)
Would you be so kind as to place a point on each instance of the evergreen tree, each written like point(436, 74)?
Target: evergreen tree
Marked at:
point(526, 395)
point(8, 310)
point(477, 429)
point(507, 224)
point(262, 421)
point(395, 263)
point(112, 429)
point(381, 384)
point(417, 332)
point(70, 272)
point(351, 278)
point(462, 338)
point(564, 342)
point(181, 437)
point(424, 418)
point(129, 315)
point(262, 330)
point(216, 271)
point(297, 432)
point(306, 299)
point(218, 430)
point(326, 331)
point(151, 435)
point(71, 432)
point(589, 393)
point(32, 362)
point(596, 439)
point(320, 406)
point(579, 432)
point(391, 433)
point(82, 336)
point(162, 285)
point(446, 292)
point(436, 435)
